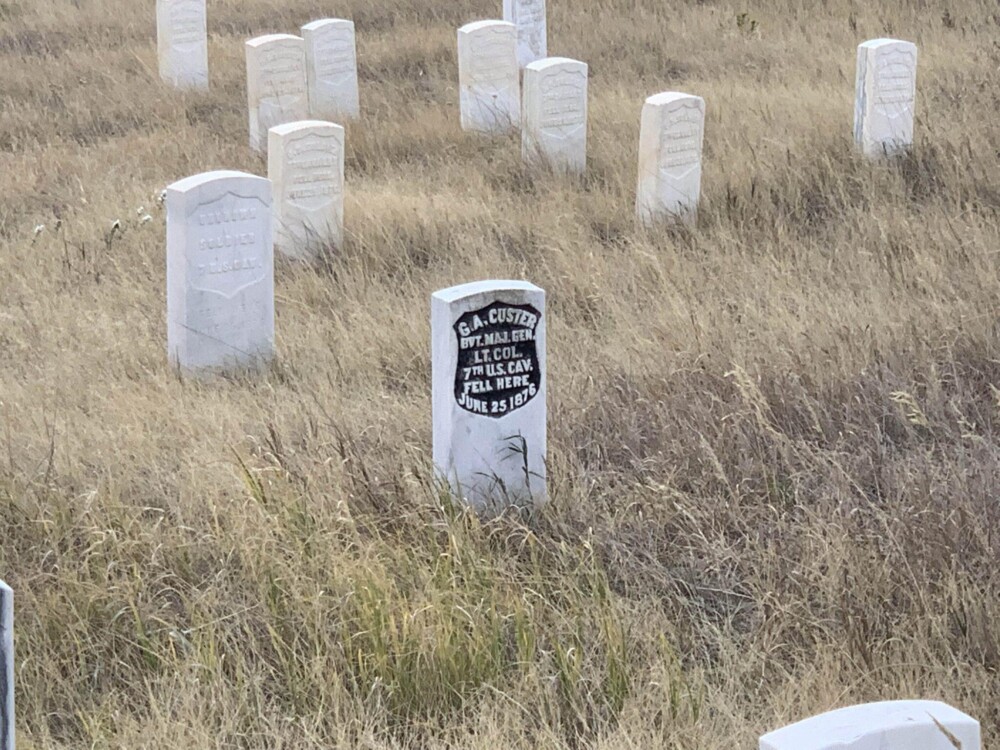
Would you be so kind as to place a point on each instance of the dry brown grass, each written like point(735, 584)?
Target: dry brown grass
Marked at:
point(775, 444)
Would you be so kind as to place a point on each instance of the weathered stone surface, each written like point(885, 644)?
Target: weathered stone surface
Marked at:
point(276, 84)
point(489, 77)
point(306, 167)
point(6, 667)
point(890, 725)
point(670, 145)
point(554, 131)
point(532, 35)
point(489, 372)
point(182, 42)
point(220, 272)
point(885, 96)
point(332, 70)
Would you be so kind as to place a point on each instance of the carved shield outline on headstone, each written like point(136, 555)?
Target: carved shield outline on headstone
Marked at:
point(183, 61)
point(463, 360)
point(891, 61)
point(565, 79)
point(250, 275)
point(493, 44)
point(271, 111)
point(337, 40)
point(685, 112)
point(188, 11)
point(316, 144)
point(274, 110)
point(278, 59)
point(491, 95)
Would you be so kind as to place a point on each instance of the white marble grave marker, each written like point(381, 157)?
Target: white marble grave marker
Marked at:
point(6, 667)
point(332, 70)
point(890, 725)
point(182, 42)
point(555, 114)
point(305, 162)
point(670, 141)
point(885, 94)
point(276, 84)
point(532, 38)
point(489, 77)
point(488, 348)
point(220, 271)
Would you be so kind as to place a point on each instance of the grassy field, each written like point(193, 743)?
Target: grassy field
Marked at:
point(774, 438)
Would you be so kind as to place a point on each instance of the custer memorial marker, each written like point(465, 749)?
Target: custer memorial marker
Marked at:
point(488, 348)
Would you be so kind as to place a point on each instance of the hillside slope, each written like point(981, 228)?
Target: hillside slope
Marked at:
point(774, 439)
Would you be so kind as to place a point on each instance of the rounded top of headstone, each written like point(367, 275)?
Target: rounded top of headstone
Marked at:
point(5, 588)
point(327, 22)
point(472, 28)
point(261, 41)
point(477, 288)
point(554, 62)
point(848, 725)
point(195, 182)
point(669, 97)
point(298, 126)
point(884, 42)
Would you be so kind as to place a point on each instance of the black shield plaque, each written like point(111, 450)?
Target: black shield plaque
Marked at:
point(498, 370)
